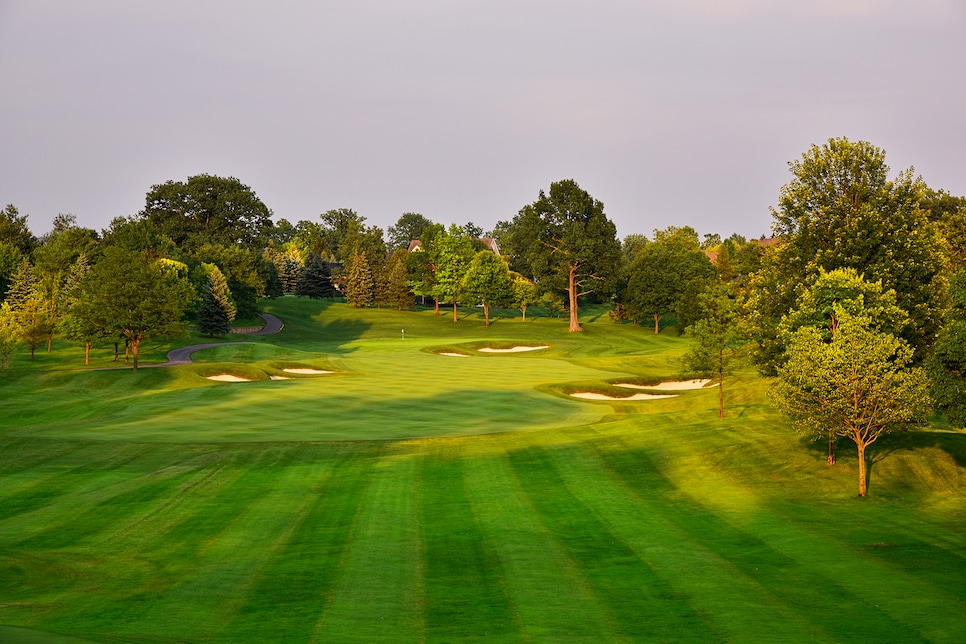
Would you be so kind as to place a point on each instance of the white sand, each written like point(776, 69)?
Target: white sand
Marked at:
point(592, 396)
point(305, 371)
point(513, 350)
point(683, 385)
point(279, 378)
point(455, 355)
point(227, 377)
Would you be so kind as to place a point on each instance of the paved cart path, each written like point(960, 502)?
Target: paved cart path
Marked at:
point(183, 355)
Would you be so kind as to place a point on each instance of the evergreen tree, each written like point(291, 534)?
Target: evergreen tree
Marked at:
point(359, 284)
point(212, 317)
point(25, 309)
point(315, 279)
point(398, 293)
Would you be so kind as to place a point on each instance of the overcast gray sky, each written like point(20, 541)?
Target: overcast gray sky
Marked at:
point(679, 113)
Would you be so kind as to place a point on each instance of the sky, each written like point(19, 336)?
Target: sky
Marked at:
point(682, 112)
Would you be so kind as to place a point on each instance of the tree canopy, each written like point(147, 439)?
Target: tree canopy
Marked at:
point(840, 210)
point(568, 244)
point(859, 385)
point(208, 209)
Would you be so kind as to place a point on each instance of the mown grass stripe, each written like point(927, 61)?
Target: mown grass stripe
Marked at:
point(731, 602)
point(377, 596)
point(640, 602)
point(290, 593)
point(534, 568)
point(464, 598)
point(200, 605)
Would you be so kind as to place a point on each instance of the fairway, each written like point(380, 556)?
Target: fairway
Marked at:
point(413, 496)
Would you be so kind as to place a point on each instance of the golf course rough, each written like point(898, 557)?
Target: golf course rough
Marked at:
point(411, 497)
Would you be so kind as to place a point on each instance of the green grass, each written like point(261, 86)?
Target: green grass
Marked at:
point(410, 496)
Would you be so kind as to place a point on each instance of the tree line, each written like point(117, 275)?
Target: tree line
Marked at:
point(858, 265)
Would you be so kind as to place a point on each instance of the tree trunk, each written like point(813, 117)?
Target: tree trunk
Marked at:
point(455, 315)
point(862, 487)
point(572, 293)
point(486, 312)
point(134, 352)
point(87, 353)
point(831, 449)
point(657, 323)
point(50, 341)
point(524, 309)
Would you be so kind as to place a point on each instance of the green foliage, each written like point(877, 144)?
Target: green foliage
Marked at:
point(26, 309)
point(715, 336)
point(523, 293)
point(130, 296)
point(454, 252)
point(859, 385)
point(568, 244)
point(396, 280)
point(208, 209)
point(14, 230)
point(663, 271)
point(315, 279)
point(841, 211)
point(212, 317)
point(408, 227)
point(487, 280)
point(359, 285)
point(947, 365)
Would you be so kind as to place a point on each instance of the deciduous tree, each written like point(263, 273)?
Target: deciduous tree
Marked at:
point(131, 296)
point(487, 280)
point(860, 385)
point(569, 243)
point(715, 336)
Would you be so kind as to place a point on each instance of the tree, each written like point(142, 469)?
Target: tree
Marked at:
point(26, 311)
point(208, 209)
point(422, 264)
point(408, 227)
point(662, 271)
point(472, 231)
point(242, 268)
point(134, 297)
point(14, 230)
point(212, 316)
point(715, 338)
point(487, 280)
point(359, 284)
point(570, 243)
point(860, 385)
point(10, 259)
point(841, 210)
point(315, 279)
point(947, 364)
point(398, 292)
point(454, 251)
point(54, 260)
point(523, 292)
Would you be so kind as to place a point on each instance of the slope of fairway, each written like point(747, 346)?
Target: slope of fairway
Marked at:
point(164, 507)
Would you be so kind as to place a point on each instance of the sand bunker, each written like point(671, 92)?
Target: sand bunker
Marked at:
point(586, 395)
point(227, 377)
point(279, 378)
point(513, 349)
point(683, 385)
point(454, 355)
point(305, 371)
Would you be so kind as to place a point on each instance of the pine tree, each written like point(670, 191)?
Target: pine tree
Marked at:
point(212, 318)
point(26, 310)
point(219, 289)
point(398, 293)
point(315, 279)
point(359, 284)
